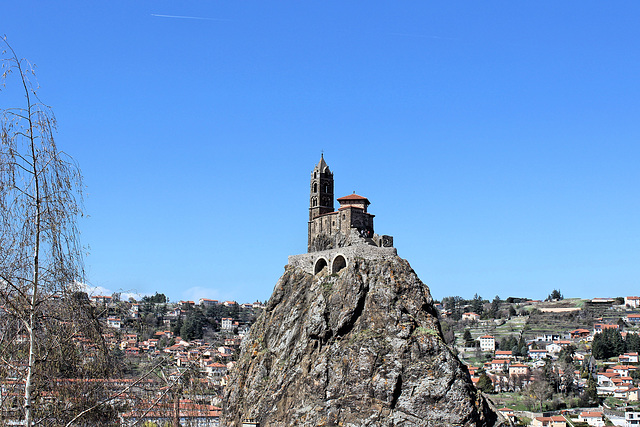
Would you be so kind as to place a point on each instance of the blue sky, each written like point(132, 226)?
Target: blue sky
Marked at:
point(497, 140)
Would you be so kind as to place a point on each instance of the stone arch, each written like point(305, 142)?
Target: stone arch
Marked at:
point(320, 264)
point(339, 262)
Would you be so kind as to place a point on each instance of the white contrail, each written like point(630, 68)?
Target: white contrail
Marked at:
point(187, 17)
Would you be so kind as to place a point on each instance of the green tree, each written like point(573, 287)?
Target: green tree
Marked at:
point(632, 343)
point(193, 325)
point(468, 339)
point(177, 327)
point(494, 309)
point(477, 304)
point(155, 299)
point(484, 383)
point(567, 353)
point(608, 343)
point(589, 396)
point(508, 343)
point(555, 295)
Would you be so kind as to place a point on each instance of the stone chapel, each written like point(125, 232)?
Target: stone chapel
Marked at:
point(350, 225)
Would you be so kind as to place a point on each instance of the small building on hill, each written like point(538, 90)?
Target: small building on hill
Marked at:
point(487, 343)
point(351, 223)
point(337, 237)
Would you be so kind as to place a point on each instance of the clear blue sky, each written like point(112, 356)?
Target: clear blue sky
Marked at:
point(498, 141)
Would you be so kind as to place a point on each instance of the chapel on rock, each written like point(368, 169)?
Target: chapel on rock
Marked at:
point(337, 238)
point(350, 225)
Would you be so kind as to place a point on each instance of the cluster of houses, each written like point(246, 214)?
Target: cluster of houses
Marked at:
point(510, 373)
point(213, 360)
point(592, 418)
point(179, 310)
point(616, 381)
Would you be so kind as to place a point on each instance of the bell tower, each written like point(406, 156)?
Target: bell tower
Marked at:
point(321, 194)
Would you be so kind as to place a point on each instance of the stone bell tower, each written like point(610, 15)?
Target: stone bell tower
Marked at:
point(321, 194)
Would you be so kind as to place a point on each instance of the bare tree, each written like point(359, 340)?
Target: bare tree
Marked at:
point(540, 390)
point(40, 192)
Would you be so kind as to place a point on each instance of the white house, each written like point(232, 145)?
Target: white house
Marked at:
point(487, 343)
point(471, 316)
point(633, 318)
point(628, 358)
point(114, 322)
point(227, 323)
point(592, 418)
point(632, 418)
point(537, 354)
point(206, 302)
point(633, 302)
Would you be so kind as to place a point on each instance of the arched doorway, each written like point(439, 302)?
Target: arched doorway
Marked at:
point(320, 264)
point(338, 264)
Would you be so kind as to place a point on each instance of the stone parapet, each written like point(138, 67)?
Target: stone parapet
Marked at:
point(313, 262)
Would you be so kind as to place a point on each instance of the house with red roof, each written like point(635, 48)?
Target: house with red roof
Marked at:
point(628, 358)
point(633, 318)
point(508, 413)
point(487, 343)
point(599, 327)
point(518, 369)
point(114, 322)
point(504, 354)
point(592, 418)
point(623, 370)
point(470, 317)
point(605, 378)
point(554, 421)
point(579, 333)
point(632, 302)
point(206, 302)
point(101, 299)
point(499, 365)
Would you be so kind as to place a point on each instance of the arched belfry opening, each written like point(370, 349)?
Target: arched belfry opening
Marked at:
point(320, 264)
point(338, 264)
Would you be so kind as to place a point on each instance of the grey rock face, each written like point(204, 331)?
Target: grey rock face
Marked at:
point(359, 348)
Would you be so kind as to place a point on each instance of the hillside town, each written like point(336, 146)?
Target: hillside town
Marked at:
point(551, 363)
point(174, 359)
point(559, 362)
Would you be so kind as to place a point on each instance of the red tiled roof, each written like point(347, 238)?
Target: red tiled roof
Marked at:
point(353, 196)
point(552, 418)
point(590, 414)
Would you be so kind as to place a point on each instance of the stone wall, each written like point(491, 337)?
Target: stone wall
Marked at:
point(308, 261)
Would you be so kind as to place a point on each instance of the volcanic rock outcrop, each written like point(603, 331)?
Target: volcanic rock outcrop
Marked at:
point(361, 347)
